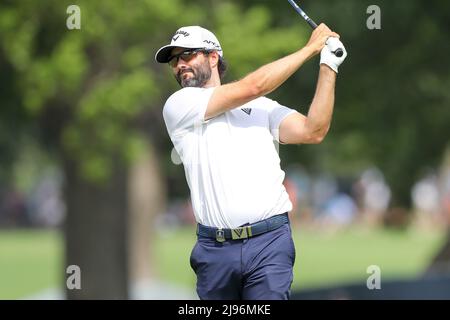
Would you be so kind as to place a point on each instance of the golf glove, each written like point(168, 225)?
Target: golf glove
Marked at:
point(328, 57)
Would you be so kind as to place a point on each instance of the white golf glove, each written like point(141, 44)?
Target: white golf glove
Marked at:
point(328, 57)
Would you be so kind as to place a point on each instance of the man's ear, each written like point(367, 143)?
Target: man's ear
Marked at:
point(214, 59)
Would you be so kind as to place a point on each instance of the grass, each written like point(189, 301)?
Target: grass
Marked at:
point(326, 260)
point(31, 261)
point(323, 259)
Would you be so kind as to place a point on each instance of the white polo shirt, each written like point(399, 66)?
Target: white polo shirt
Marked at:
point(231, 163)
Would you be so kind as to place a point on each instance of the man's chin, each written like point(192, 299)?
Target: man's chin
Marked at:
point(190, 82)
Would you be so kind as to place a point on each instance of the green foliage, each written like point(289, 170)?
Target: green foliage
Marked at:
point(249, 38)
point(392, 92)
point(82, 92)
point(98, 76)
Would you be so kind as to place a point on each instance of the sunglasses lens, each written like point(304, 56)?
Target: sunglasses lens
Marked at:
point(188, 55)
point(185, 56)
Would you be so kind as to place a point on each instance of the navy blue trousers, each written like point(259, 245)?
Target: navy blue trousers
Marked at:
point(258, 268)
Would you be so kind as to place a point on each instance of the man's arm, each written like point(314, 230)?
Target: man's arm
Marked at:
point(297, 128)
point(267, 78)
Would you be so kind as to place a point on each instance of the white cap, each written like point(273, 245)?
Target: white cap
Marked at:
point(192, 37)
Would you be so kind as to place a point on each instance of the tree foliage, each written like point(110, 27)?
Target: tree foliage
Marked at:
point(93, 95)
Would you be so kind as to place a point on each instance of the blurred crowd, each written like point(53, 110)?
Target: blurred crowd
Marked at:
point(41, 206)
point(322, 201)
point(329, 202)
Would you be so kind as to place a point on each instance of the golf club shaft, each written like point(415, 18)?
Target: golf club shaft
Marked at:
point(303, 14)
point(338, 52)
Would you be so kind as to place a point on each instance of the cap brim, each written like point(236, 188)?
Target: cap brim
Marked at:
point(163, 54)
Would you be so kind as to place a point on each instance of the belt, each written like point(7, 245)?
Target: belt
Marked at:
point(243, 232)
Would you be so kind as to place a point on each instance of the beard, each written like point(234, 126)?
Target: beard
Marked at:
point(200, 76)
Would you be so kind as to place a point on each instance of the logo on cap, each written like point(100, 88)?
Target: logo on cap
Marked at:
point(213, 43)
point(180, 32)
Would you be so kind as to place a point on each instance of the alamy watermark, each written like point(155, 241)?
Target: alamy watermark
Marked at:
point(74, 279)
point(74, 20)
point(374, 20)
point(374, 280)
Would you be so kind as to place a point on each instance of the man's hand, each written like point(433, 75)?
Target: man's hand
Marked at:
point(319, 38)
point(329, 58)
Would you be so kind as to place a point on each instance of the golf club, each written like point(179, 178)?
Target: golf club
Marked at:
point(338, 52)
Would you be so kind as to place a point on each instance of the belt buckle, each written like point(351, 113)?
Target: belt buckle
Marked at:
point(220, 235)
point(241, 233)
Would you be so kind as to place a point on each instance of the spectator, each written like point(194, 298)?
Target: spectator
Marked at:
point(375, 196)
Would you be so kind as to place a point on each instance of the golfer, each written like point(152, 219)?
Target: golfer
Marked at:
point(224, 134)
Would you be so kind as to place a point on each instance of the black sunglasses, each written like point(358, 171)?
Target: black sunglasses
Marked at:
point(186, 55)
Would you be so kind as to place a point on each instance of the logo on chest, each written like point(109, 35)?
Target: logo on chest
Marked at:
point(247, 110)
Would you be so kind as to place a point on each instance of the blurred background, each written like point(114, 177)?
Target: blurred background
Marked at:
point(87, 171)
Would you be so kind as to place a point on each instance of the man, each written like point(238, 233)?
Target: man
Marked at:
point(224, 135)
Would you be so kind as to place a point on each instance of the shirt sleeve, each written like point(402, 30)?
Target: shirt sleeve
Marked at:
point(277, 113)
point(185, 109)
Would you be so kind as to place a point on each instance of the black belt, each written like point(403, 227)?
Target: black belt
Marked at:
point(243, 232)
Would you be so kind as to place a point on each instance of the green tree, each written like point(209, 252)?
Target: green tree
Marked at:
point(392, 92)
point(81, 95)
point(92, 99)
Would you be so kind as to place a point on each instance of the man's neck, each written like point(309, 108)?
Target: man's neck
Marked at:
point(214, 81)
